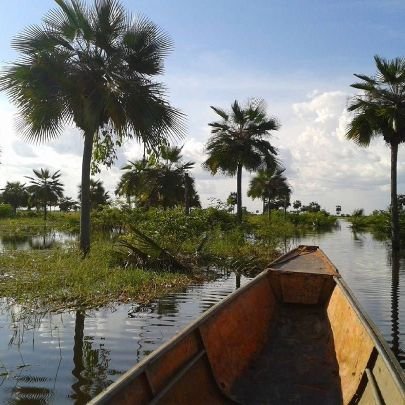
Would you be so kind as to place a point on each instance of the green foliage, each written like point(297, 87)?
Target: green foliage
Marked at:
point(98, 196)
point(318, 220)
point(159, 181)
point(62, 279)
point(31, 221)
point(378, 223)
point(6, 211)
point(15, 194)
point(67, 204)
point(313, 206)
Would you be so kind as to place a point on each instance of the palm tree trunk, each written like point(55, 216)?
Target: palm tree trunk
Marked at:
point(264, 205)
point(186, 194)
point(45, 212)
point(239, 193)
point(394, 199)
point(85, 201)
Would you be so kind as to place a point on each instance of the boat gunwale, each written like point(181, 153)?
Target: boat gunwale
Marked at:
point(378, 339)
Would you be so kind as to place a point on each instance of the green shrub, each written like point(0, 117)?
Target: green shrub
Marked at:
point(6, 211)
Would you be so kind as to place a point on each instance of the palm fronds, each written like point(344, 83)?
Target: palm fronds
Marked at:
point(143, 251)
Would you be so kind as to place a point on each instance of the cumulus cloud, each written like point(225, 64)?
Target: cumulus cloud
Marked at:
point(325, 166)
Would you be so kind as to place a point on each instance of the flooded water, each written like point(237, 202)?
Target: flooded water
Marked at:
point(44, 239)
point(70, 357)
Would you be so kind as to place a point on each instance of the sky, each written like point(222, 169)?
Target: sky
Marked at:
point(298, 55)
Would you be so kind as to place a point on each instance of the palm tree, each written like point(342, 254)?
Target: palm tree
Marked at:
point(94, 67)
point(67, 203)
point(15, 194)
point(170, 172)
point(297, 205)
point(132, 181)
point(380, 111)
point(46, 188)
point(98, 195)
point(269, 184)
point(238, 142)
point(161, 180)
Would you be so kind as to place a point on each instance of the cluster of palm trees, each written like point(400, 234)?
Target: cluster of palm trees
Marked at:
point(159, 180)
point(45, 190)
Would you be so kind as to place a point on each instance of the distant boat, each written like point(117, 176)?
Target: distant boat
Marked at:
point(293, 335)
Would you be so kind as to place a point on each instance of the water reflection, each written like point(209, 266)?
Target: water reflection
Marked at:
point(70, 357)
point(395, 266)
point(45, 239)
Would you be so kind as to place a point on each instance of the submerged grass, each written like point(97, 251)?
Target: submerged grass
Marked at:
point(61, 279)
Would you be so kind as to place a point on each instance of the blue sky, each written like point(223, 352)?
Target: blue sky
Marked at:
point(299, 56)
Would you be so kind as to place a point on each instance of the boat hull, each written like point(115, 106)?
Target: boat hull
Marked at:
point(294, 334)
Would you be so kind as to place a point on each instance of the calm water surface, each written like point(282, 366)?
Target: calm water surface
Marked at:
point(44, 239)
point(70, 357)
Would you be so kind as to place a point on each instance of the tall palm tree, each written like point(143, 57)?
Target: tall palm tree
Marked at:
point(269, 184)
point(46, 188)
point(93, 66)
point(238, 142)
point(380, 111)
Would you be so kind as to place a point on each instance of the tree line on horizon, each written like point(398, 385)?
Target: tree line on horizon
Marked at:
point(96, 66)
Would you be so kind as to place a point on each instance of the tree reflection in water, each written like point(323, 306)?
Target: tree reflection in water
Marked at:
point(395, 264)
point(91, 365)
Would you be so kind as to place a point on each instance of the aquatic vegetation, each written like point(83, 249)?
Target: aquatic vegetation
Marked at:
point(59, 278)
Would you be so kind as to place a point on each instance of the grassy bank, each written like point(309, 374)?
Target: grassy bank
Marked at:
point(61, 279)
point(30, 221)
point(141, 257)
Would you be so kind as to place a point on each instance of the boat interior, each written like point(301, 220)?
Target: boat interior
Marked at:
point(294, 335)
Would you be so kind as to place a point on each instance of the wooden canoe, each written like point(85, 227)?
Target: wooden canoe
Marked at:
point(293, 335)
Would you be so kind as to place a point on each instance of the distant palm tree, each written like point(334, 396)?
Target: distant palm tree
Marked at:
point(238, 142)
point(67, 203)
point(132, 181)
point(46, 188)
point(379, 111)
point(297, 205)
point(269, 184)
point(15, 194)
point(169, 172)
point(98, 195)
point(160, 180)
point(94, 67)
